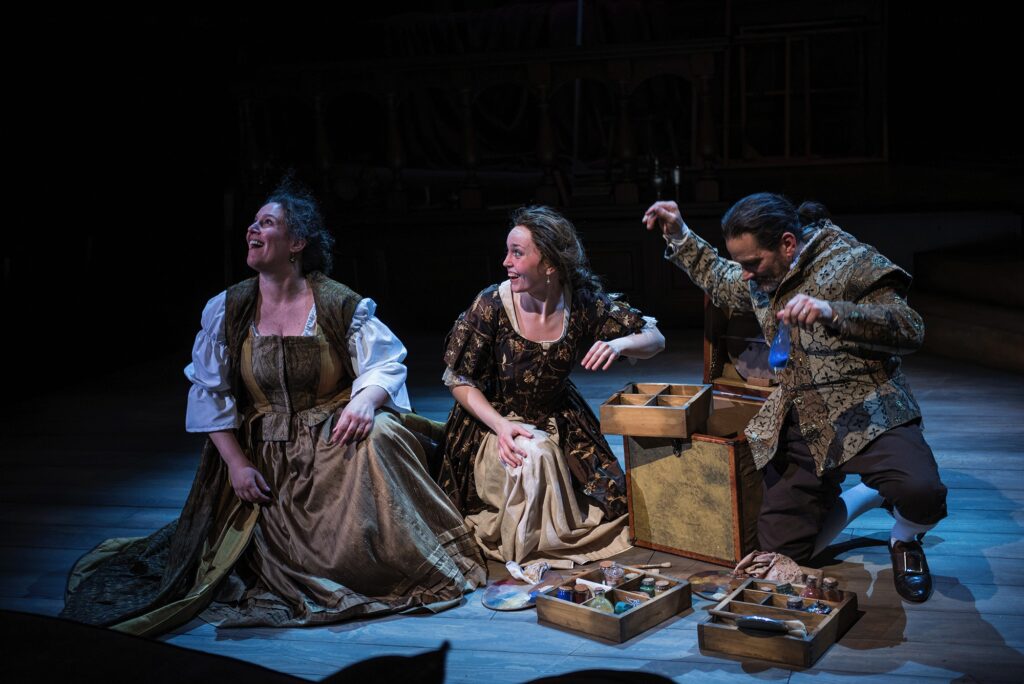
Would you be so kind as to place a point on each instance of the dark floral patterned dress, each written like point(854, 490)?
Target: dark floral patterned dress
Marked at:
point(531, 380)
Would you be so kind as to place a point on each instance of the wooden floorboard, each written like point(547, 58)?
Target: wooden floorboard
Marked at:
point(119, 464)
point(142, 517)
point(969, 521)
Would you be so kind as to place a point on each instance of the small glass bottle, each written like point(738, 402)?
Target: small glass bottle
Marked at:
point(600, 602)
point(811, 589)
point(794, 603)
point(580, 594)
point(778, 353)
point(647, 586)
point(660, 586)
point(565, 592)
point(830, 590)
point(612, 573)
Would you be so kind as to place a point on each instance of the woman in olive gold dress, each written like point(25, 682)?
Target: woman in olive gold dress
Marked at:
point(312, 502)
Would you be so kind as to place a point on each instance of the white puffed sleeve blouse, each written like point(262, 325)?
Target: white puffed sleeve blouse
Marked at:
point(376, 355)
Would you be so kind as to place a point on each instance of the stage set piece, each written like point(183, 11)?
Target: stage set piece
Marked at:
point(693, 491)
point(692, 488)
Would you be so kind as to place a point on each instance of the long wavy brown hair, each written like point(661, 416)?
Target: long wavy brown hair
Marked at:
point(559, 244)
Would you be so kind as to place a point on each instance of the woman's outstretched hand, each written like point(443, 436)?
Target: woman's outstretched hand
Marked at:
point(602, 355)
point(508, 452)
point(249, 485)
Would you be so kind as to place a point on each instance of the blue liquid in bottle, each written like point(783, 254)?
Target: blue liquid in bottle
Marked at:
point(778, 354)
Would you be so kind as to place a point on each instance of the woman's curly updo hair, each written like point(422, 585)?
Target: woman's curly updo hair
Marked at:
point(559, 244)
point(304, 222)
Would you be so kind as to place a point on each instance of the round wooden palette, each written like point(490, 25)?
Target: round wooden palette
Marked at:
point(508, 594)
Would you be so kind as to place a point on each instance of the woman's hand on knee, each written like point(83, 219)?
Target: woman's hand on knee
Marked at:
point(249, 484)
point(508, 452)
point(354, 422)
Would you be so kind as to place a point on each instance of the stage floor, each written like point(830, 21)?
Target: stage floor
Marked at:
point(111, 458)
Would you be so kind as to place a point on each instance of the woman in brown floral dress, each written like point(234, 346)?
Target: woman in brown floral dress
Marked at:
point(524, 456)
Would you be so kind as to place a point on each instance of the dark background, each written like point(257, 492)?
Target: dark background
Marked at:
point(126, 139)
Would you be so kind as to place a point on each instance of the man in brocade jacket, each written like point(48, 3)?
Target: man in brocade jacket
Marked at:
point(842, 404)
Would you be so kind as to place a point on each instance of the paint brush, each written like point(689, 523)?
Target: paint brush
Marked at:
point(570, 579)
point(760, 623)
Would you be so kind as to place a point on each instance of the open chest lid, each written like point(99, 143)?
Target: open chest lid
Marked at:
point(735, 353)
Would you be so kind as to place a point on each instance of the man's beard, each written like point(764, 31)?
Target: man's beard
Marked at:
point(768, 285)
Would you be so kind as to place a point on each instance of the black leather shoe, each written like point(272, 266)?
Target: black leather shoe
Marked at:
point(910, 571)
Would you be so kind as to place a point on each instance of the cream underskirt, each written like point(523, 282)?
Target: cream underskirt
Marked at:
point(533, 511)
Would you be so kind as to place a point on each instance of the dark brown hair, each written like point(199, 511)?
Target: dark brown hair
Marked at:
point(559, 244)
point(764, 214)
point(304, 222)
point(811, 212)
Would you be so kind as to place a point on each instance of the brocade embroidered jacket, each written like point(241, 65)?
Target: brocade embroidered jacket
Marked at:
point(843, 379)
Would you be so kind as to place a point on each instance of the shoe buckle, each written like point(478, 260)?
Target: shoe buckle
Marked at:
point(913, 563)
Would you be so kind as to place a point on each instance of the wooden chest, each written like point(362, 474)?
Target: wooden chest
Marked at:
point(719, 634)
point(699, 497)
point(557, 612)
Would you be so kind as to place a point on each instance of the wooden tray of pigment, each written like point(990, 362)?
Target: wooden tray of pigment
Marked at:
point(720, 636)
point(553, 611)
point(656, 410)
